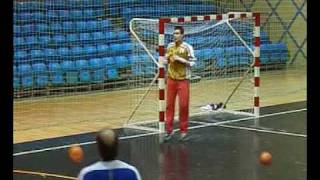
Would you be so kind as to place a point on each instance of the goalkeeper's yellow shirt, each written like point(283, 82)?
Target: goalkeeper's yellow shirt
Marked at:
point(176, 69)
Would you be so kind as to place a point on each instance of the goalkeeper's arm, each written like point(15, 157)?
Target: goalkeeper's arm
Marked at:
point(182, 60)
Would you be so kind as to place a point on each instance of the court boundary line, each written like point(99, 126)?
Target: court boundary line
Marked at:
point(43, 174)
point(264, 130)
point(153, 133)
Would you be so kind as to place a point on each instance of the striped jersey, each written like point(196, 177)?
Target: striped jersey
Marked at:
point(109, 170)
point(176, 69)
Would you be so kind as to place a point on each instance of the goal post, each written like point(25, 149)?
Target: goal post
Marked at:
point(227, 47)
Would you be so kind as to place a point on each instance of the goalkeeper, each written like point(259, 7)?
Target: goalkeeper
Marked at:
point(180, 58)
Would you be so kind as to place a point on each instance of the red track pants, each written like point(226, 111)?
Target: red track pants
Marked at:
point(180, 88)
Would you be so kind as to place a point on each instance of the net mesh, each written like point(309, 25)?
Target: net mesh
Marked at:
point(224, 53)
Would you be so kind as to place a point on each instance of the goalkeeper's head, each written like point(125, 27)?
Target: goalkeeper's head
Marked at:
point(178, 34)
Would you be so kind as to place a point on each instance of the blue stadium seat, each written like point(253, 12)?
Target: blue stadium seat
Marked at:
point(84, 74)
point(98, 13)
point(80, 25)
point(52, 15)
point(56, 4)
point(72, 37)
point(24, 16)
point(15, 70)
point(241, 49)
point(27, 81)
point(90, 49)
point(82, 64)
point(57, 79)
point(123, 35)
point(104, 24)
point(264, 60)
point(41, 28)
point(16, 78)
point(36, 53)
point(63, 51)
point(28, 5)
point(44, 40)
point(41, 80)
point(92, 25)
point(29, 28)
point(218, 52)
point(39, 68)
point(121, 61)
point(97, 35)
point(38, 16)
point(48, 52)
point(75, 14)
point(109, 35)
point(112, 74)
point(24, 69)
point(208, 54)
point(68, 26)
point(144, 58)
point(85, 36)
point(63, 14)
point(72, 77)
point(137, 71)
point(77, 50)
point(102, 49)
point(56, 26)
point(67, 66)
point(89, 13)
point(134, 59)
point(127, 47)
point(54, 68)
point(56, 75)
point(31, 40)
point(232, 61)
point(41, 76)
point(109, 62)
point(98, 75)
point(95, 63)
point(16, 29)
point(150, 71)
point(231, 51)
point(16, 18)
point(16, 83)
point(18, 41)
point(199, 54)
point(221, 62)
point(115, 48)
point(59, 39)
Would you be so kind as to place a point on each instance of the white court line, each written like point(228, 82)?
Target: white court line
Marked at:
point(264, 130)
point(142, 128)
point(81, 144)
point(153, 133)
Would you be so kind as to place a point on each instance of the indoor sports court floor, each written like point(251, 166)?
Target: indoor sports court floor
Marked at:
point(217, 149)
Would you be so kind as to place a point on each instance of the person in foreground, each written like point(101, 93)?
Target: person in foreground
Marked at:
point(109, 168)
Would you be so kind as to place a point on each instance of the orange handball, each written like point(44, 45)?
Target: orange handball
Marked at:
point(265, 158)
point(75, 153)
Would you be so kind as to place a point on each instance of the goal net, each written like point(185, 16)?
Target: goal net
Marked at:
point(227, 68)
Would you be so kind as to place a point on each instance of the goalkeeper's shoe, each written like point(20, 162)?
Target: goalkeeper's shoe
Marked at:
point(168, 136)
point(183, 137)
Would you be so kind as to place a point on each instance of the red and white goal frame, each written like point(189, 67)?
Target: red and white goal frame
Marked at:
point(232, 15)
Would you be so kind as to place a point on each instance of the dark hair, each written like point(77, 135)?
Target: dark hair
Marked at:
point(108, 150)
point(179, 28)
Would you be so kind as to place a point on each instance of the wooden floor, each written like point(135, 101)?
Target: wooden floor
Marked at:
point(42, 118)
